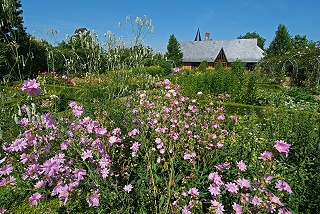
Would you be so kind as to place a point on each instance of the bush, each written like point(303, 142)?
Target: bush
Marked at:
point(152, 70)
point(166, 66)
point(203, 66)
point(219, 66)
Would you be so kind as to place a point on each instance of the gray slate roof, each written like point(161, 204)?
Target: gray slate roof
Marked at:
point(245, 50)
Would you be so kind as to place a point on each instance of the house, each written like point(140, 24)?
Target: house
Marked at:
point(224, 51)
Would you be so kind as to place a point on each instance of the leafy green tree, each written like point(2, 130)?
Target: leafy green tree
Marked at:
point(173, 51)
point(301, 43)
point(11, 28)
point(248, 35)
point(281, 43)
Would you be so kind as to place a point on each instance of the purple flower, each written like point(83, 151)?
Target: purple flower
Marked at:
point(79, 173)
point(6, 170)
point(214, 190)
point(194, 192)
point(35, 198)
point(135, 146)
point(77, 111)
point(243, 183)
point(86, 154)
point(128, 188)
point(266, 156)
point(284, 211)
point(221, 117)
point(220, 207)
point(276, 200)
point(256, 201)
point(215, 177)
point(100, 131)
point(49, 121)
point(234, 118)
point(282, 147)
point(242, 166)
point(134, 132)
point(93, 200)
point(113, 139)
point(176, 70)
point(232, 187)
point(237, 207)
point(31, 87)
point(185, 210)
point(282, 185)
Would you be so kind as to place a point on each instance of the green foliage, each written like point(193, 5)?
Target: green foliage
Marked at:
point(166, 66)
point(11, 28)
point(152, 70)
point(173, 51)
point(281, 43)
point(218, 66)
point(203, 66)
point(248, 35)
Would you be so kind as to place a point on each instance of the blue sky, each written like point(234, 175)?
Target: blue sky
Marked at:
point(224, 19)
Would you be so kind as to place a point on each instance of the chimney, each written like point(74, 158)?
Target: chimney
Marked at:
point(207, 36)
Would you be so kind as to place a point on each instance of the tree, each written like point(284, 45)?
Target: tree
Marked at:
point(301, 42)
point(248, 35)
point(281, 43)
point(173, 51)
point(11, 27)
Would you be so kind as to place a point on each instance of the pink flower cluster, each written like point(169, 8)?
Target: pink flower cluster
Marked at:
point(31, 87)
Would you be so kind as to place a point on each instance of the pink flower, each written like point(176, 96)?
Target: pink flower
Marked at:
point(282, 185)
point(100, 131)
point(232, 187)
point(221, 117)
point(79, 173)
point(93, 200)
point(186, 210)
point(176, 70)
point(256, 201)
point(35, 198)
point(237, 207)
point(234, 118)
point(78, 111)
point(6, 170)
point(214, 190)
point(220, 207)
point(227, 95)
point(86, 154)
point(276, 200)
point(266, 156)
point(242, 166)
point(243, 183)
point(284, 211)
point(282, 147)
point(135, 146)
point(31, 87)
point(194, 192)
point(113, 139)
point(215, 177)
point(128, 188)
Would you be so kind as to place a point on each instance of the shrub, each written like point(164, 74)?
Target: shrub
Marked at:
point(166, 66)
point(203, 66)
point(219, 66)
point(152, 70)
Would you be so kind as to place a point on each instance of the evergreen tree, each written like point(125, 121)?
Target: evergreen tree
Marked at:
point(173, 51)
point(281, 43)
point(248, 35)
